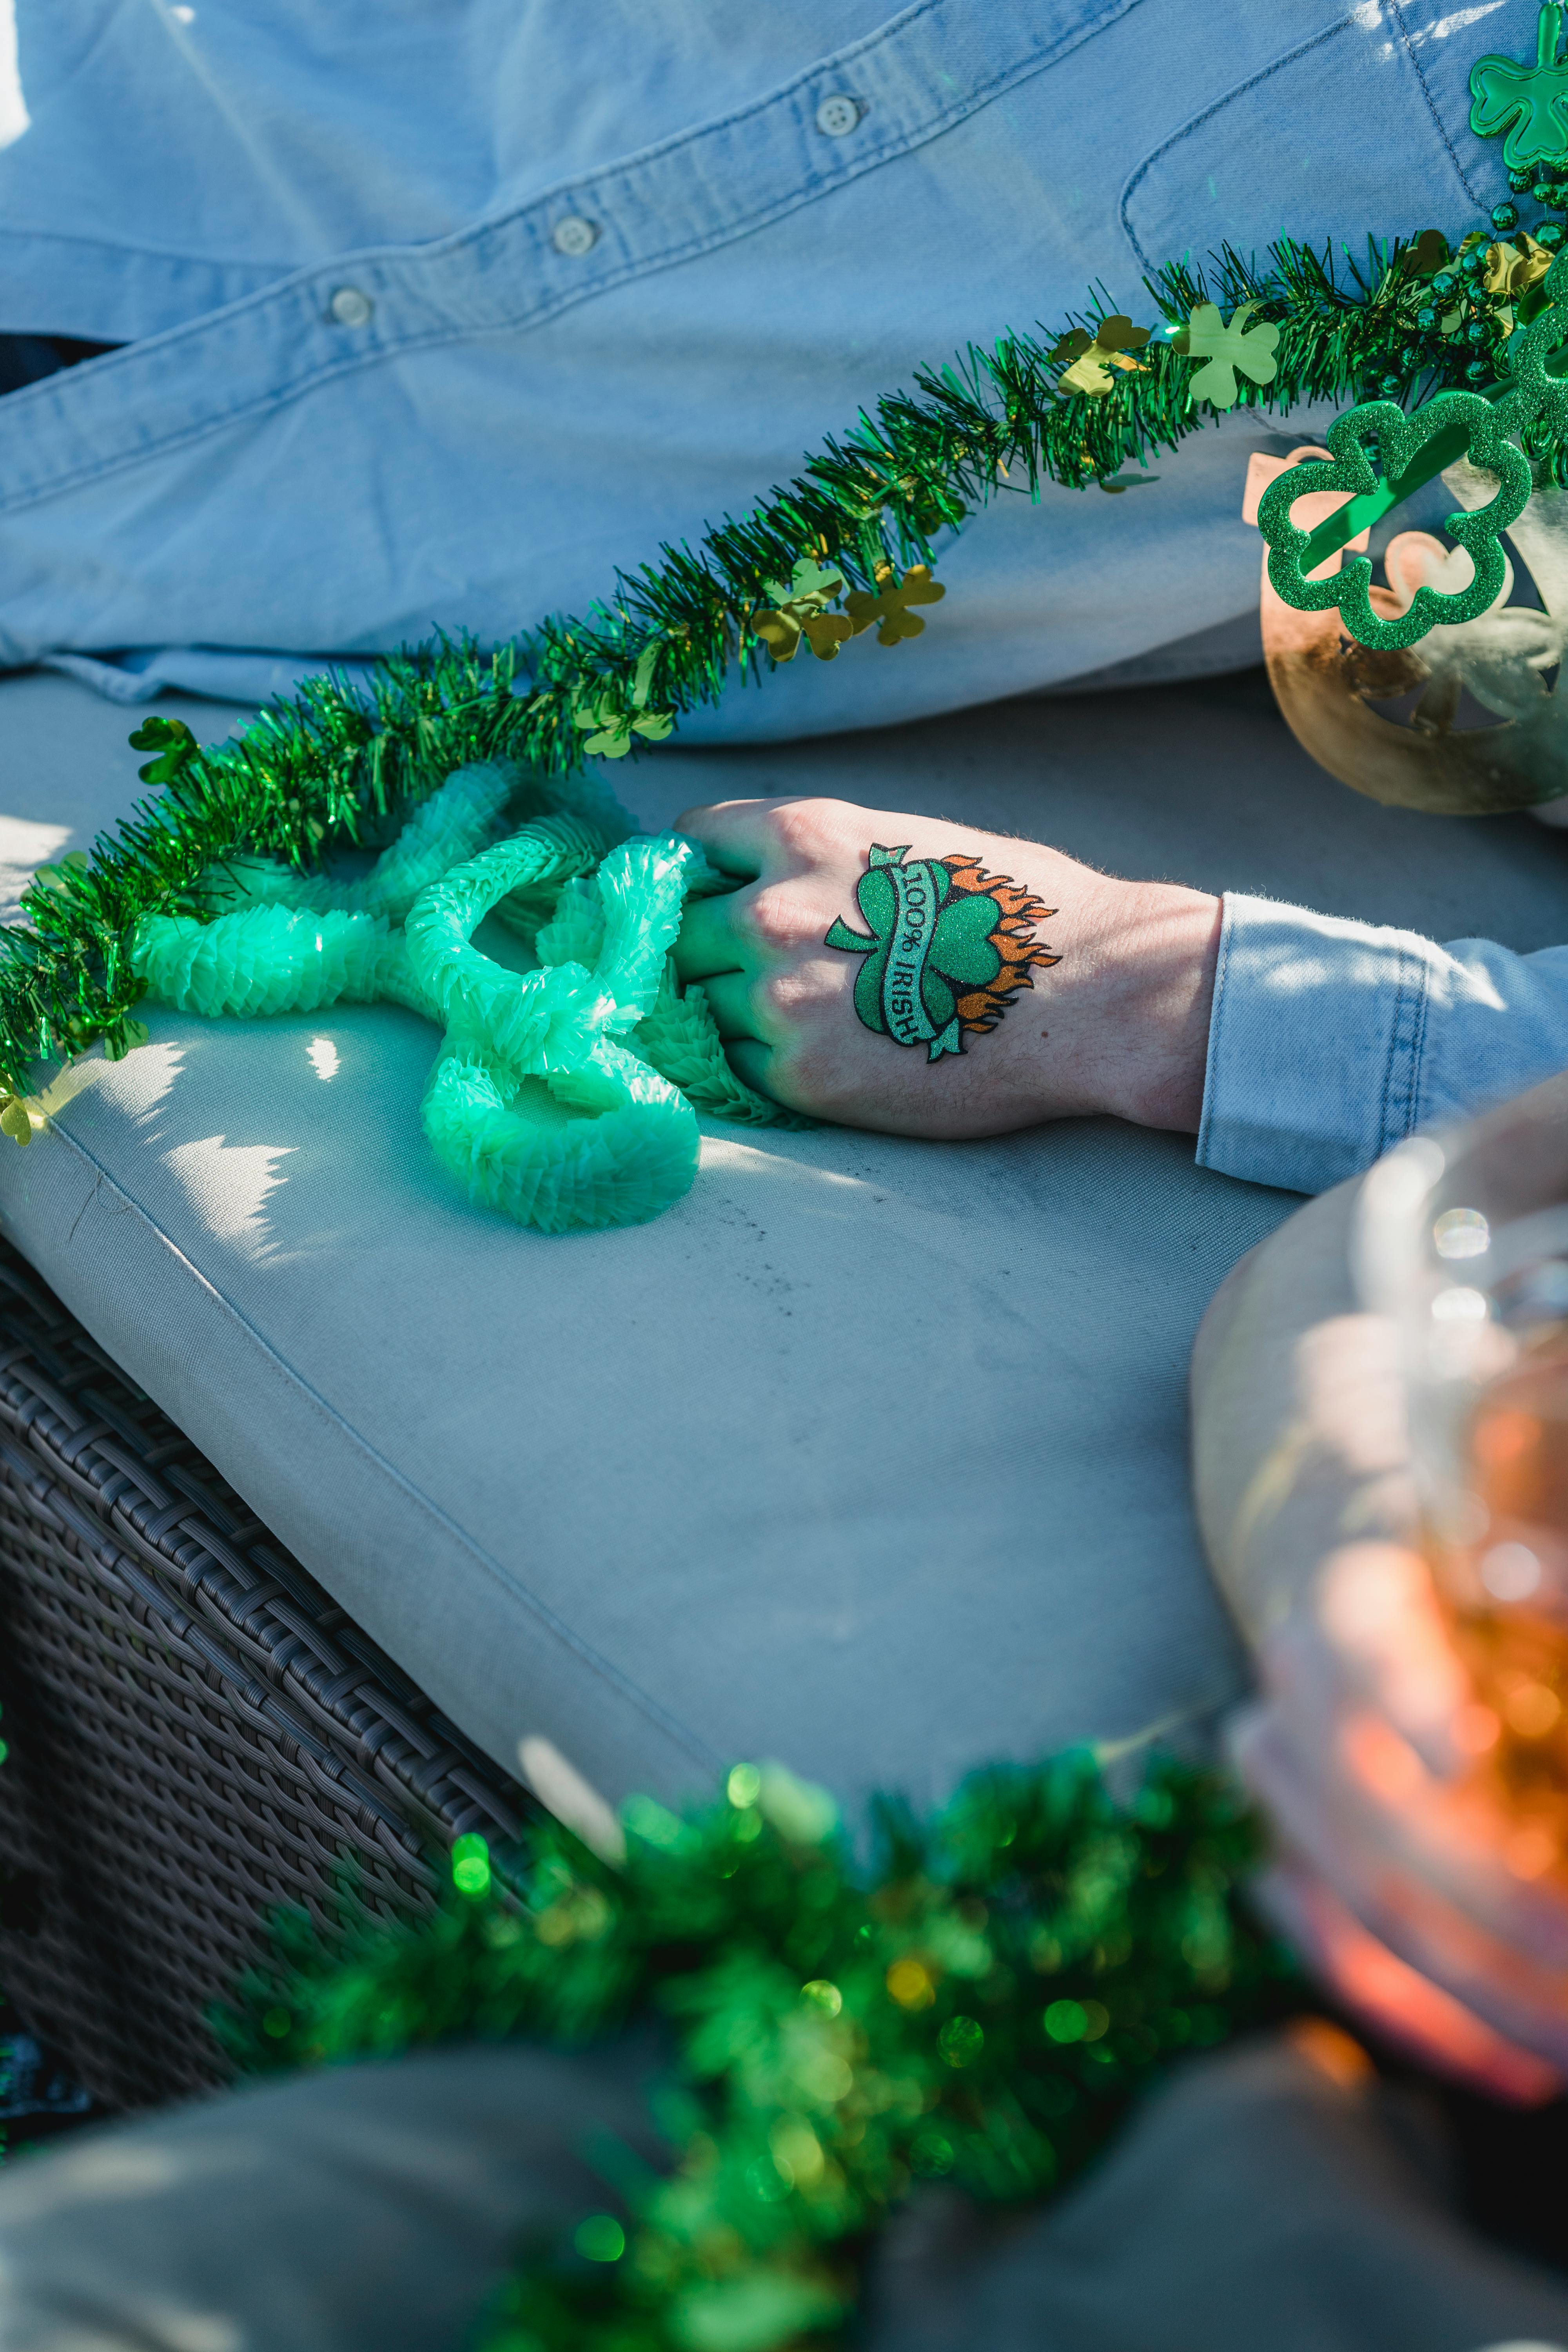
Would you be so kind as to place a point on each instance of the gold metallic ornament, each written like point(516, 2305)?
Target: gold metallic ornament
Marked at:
point(891, 606)
point(800, 613)
point(1092, 357)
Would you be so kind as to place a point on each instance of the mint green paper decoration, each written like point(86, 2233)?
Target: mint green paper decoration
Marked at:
point(565, 1097)
point(1228, 346)
point(1529, 102)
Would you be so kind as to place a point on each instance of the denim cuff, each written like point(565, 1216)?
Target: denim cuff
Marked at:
point(1316, 1043)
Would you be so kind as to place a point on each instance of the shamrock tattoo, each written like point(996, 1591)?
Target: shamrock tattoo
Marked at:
point(1530, 102)
point(950, 947)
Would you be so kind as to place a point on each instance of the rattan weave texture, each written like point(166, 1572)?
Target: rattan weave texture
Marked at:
point(198, 1733)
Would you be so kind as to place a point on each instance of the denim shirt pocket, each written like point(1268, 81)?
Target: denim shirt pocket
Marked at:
point(1360, 128)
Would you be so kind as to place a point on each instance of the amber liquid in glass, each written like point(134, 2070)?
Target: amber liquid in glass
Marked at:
point(1508, 1596)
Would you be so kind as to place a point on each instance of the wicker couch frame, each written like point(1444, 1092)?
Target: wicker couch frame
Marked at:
point(197, 1732)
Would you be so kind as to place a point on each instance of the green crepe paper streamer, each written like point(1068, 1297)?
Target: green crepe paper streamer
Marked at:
point(679, 1035)
point(557, 1096)
point(629, 1146)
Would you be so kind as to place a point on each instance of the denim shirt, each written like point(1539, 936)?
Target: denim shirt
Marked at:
point(1332, 1040)
point(435, 312)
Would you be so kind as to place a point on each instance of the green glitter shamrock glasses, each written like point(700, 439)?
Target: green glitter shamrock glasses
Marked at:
point(1410, 451)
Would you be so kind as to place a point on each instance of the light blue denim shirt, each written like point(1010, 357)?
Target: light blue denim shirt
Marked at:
point(1332, 1040)
point(436, 311)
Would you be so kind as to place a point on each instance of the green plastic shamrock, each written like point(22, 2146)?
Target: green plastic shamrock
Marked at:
point(1530, 102)
point(930, 944)
point(173, 739)
point(1408, 448)
point(50, 876)
point(891, 605)
point(616, 726)
point(1225, 348)
point(800, 611)
point(1535, 389)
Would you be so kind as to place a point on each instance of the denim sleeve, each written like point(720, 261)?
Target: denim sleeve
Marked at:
point(1331, 1041)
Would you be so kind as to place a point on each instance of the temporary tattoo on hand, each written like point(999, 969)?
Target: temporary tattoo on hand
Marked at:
point(950, 948)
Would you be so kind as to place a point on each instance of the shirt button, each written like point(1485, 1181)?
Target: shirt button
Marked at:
point(350, 308)
point(837, 117)
point(574, 236)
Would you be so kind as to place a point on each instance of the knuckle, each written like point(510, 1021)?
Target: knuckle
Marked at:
point(806, 826)
point(773, 917)
point(770, 1008)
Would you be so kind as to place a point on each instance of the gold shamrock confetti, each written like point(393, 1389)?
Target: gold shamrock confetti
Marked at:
point(891, 605)
point(1094, 356)
point(1429, 254)
point(1514, 269)
point(800, 613)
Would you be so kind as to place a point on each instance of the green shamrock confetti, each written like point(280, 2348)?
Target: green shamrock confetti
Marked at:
point(171, 738)
point(800, 614)
point(1225, 348)
point(615, 727)
point(1529, 102)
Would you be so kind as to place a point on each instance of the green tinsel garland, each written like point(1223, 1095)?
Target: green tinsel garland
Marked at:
point(979, 2007)
point(312, 773)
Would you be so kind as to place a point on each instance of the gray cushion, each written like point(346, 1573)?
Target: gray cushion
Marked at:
point(869, 1455)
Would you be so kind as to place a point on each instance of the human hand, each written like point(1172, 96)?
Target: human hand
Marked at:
point(1401, 1877)
point(1063, 992)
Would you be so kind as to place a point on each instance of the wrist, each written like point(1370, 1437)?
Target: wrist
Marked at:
point(1147, 976)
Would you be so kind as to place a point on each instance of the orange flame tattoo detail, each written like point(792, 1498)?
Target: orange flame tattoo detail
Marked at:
point(1018, 911)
